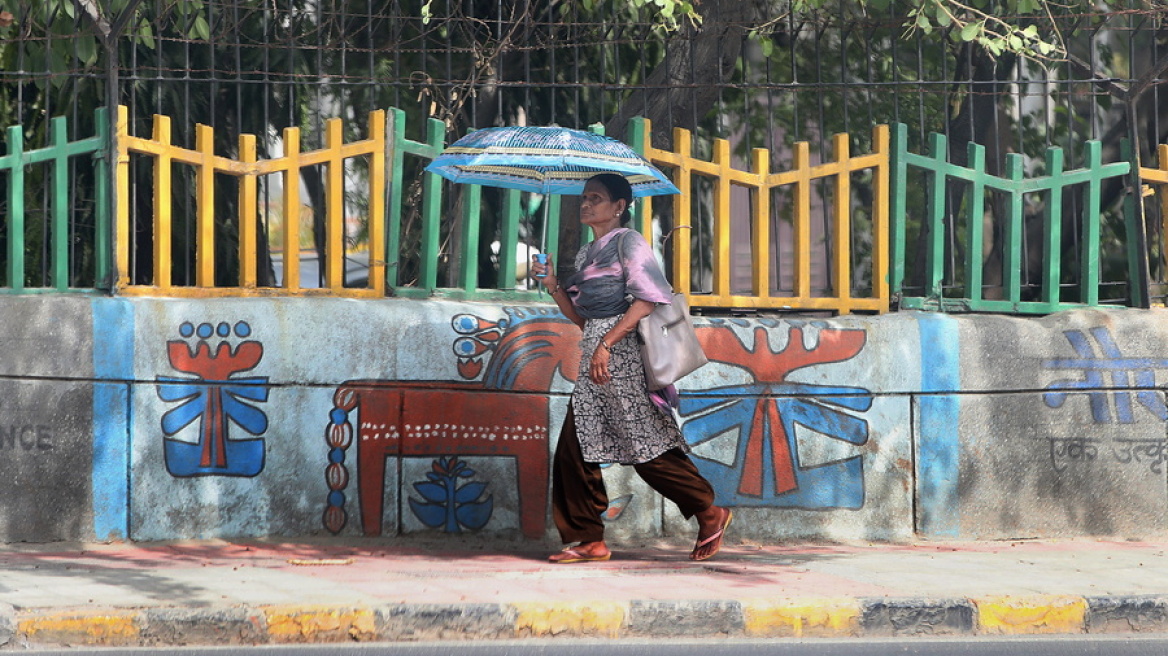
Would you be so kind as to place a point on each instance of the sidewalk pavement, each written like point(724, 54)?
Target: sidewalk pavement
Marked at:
point(258, 592)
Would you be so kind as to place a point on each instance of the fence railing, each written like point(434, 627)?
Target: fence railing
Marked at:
point(962, 287)
point(888, 171)
point(390, 198)
point(762, 184)
point(164, 155)
point(58, 237)
point(464, 228)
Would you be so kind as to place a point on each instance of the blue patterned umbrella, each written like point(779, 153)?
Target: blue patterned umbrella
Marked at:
point(545, 160)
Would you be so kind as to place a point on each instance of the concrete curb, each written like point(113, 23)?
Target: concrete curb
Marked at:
point(777, 617)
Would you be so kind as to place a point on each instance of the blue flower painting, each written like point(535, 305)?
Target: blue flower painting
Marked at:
point(448, 505)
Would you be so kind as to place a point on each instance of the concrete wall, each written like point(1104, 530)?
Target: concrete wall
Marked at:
point(152, 419)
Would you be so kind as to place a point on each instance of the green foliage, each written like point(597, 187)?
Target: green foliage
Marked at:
point(670, 14)
point(999, 26)
point(50, 41)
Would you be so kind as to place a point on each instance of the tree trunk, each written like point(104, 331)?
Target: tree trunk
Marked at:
point(694, 56)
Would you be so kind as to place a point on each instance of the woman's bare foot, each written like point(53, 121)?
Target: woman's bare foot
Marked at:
point(582, 553)
point(712, 525)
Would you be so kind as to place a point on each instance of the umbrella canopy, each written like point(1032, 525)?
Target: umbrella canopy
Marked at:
point(545, 160)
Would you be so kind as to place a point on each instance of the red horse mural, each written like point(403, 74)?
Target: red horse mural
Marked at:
point(505, 414)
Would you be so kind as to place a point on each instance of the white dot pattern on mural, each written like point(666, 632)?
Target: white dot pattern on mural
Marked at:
point(376, 429)
point(477, 433)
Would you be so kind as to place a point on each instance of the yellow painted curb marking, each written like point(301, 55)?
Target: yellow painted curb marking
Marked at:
point(1032, 614)
point(90, 629)
point(801, 617)
point(318, 624)
point(573, 618)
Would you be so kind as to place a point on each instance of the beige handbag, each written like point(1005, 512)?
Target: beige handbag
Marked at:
point(669, 345)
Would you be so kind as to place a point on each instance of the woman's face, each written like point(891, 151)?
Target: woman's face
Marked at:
point(598, 210)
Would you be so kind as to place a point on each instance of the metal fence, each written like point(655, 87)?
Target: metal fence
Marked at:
point(786, 289)
point(72, 254)
point(975, 287)
point(754, 74)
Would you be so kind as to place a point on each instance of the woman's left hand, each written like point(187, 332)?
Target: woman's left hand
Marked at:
point(598, 369)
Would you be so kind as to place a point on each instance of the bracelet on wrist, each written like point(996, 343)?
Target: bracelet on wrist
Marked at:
point(606, 346)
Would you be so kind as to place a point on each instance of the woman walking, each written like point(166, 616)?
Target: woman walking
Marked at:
point(612, 417)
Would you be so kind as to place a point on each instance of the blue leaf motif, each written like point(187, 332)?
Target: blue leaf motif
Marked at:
point(469, 492)
point(184, 389)
point(246, 417)
point(178, 418)
point(430, 515)
point(432, 492)
point(475, 515)
point(252, 389)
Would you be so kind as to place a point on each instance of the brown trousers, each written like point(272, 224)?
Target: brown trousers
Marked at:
point(579, 497)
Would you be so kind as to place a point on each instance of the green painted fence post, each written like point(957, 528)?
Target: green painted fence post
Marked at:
point(1089, 267)
point(396, 160)
point(1052, 257)
point(1012, 248)
point(14, 161)
point(102, 242)
point(974, 230)
point(59, 140)
point(897, 195)
point(431, 209)
point(935, 246)
point(509, 238)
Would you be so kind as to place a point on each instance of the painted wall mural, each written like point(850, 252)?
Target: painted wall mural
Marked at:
point(505, 413)
point(762, 416)
point(439, 417)
point(216, 396)
point(449, 503)
point(520, 353)
point(1102, 363)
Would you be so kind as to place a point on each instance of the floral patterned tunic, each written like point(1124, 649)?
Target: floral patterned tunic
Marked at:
point(618, 422)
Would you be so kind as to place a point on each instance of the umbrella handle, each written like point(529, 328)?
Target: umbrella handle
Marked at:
point(543, 238)
point(543, 255)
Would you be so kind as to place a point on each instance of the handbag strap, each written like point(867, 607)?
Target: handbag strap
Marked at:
point(620, 256)
point(620, 251)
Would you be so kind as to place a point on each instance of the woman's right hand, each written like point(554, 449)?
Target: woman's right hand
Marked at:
point(543, 272)
point(598, 366)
